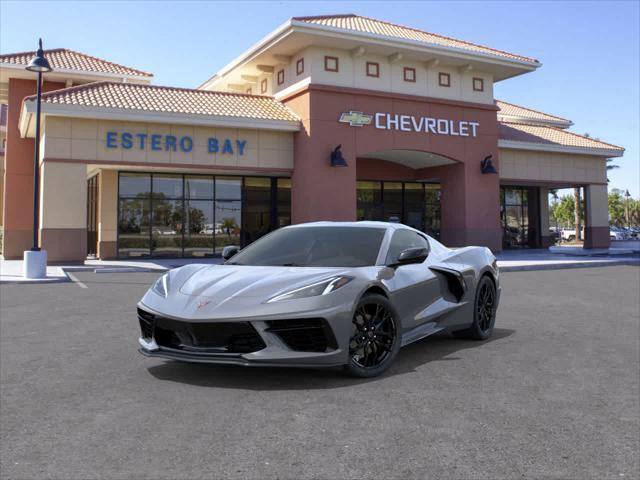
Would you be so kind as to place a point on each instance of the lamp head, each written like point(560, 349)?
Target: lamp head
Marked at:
point(486, 166)
point(337, 160)
point(39, 62)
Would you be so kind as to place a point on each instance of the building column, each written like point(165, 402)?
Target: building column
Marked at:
point(470, 206)
point(596, 216)
point(107, 214)
point(318, 190)
point(546, 240)
point(63, 211)
point(18, 174)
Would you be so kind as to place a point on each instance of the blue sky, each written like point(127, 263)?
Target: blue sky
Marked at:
point(589, 50)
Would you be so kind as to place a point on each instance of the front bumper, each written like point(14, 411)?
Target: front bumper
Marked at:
point(276, 347)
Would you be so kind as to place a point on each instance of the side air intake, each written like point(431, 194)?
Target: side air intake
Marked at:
point(455, 281)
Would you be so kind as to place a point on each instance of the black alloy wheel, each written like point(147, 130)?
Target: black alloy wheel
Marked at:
point(375, 340)
point(485, 306)
point(484, 312)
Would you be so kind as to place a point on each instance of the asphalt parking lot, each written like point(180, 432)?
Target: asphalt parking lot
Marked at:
point(554, 394)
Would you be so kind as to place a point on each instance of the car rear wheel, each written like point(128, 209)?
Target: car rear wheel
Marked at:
point(375, 338)
point(484, 311)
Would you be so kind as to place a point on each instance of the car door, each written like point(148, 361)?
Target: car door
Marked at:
point(412, 287)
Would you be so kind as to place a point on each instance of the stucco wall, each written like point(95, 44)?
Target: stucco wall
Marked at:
point(352, 73)
point(551, 167)
point(85, 140)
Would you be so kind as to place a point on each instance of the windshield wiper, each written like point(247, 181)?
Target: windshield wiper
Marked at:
point(291, 265)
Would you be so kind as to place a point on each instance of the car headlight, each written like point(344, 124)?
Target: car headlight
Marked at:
point(161, 287)
point(323, 287)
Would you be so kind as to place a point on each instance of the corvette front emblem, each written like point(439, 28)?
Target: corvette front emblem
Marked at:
point(355, 119)
point(203, 303)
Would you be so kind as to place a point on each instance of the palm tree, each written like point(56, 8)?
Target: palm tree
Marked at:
point(228, 225)
point(611, 167)
point(576, 210)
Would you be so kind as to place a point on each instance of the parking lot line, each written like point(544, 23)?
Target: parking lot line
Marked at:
point(75, 280)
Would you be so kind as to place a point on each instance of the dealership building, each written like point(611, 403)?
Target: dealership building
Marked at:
point(337, 117)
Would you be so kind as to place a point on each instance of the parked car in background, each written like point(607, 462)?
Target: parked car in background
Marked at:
point(569, 234)
point(618, 234)
point(556, 233)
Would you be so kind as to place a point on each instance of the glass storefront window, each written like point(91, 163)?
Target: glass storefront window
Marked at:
point(198, 188)
point(133, 227)
point(369, 196)
point(166, 226)
point(519, 219)
point(228, 220)
point(172, 215)
point(228, 212)
point(199, 228)
point(413, 203)
point(167, 186)
point(283, 202)
point(256, 217)
point(432, 211)
point(135, 185)
point(392, 202)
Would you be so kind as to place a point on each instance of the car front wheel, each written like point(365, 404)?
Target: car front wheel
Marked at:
point(375, 337)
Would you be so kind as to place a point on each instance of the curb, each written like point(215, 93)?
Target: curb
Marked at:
point(567, 266)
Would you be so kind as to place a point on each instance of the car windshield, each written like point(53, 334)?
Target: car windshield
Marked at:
point(314, 247)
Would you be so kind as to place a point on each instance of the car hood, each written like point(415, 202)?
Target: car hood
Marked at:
point(226, 281)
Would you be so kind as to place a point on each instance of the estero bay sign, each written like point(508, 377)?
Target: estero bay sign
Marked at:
point(411, 123)
point(171, 143)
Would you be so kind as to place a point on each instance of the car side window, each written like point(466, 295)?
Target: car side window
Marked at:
point(401, 240)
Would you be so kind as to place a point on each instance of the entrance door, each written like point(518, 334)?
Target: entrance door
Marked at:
point(519, 217)
point(92, 216)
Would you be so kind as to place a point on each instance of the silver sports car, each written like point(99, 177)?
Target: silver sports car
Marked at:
point(319, 295)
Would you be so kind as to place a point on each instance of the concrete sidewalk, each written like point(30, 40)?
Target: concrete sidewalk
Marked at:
point(508, 261)
point(543, 259)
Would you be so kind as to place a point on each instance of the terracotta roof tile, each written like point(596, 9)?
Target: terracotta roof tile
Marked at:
point(65, 59)
point(370, 25)
point(513, 110)
point(152, 98)
point(517, 132)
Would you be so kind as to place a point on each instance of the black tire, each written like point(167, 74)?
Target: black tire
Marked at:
point(484, 311)
point(376, 337)
point(571, 238)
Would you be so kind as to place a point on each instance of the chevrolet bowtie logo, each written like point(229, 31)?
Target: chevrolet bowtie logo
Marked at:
point(356, 119)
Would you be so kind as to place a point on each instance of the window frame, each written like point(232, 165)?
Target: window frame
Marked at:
point(407, 70)
point(444, 83)
point(377, 67)
point(300, 66)
point(327, 59)
point(480, 81)
point(280, 76)
point(263, 85)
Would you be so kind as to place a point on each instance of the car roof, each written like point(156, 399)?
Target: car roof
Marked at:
point(360, 224)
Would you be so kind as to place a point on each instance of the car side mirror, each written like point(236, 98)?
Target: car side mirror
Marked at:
point(412, 255)
point(229, 251)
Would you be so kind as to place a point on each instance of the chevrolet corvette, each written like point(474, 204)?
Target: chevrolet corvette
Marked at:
point(322, 294)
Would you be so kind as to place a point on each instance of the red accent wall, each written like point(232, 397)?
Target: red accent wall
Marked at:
point(470, 200)
point(18, 177)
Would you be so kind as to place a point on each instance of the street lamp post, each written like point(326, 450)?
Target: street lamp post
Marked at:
point(626, 208)
point(35, 260)
point(555, 204)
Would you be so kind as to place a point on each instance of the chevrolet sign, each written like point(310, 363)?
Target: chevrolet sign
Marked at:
point(355, 119)
point(410, 123)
